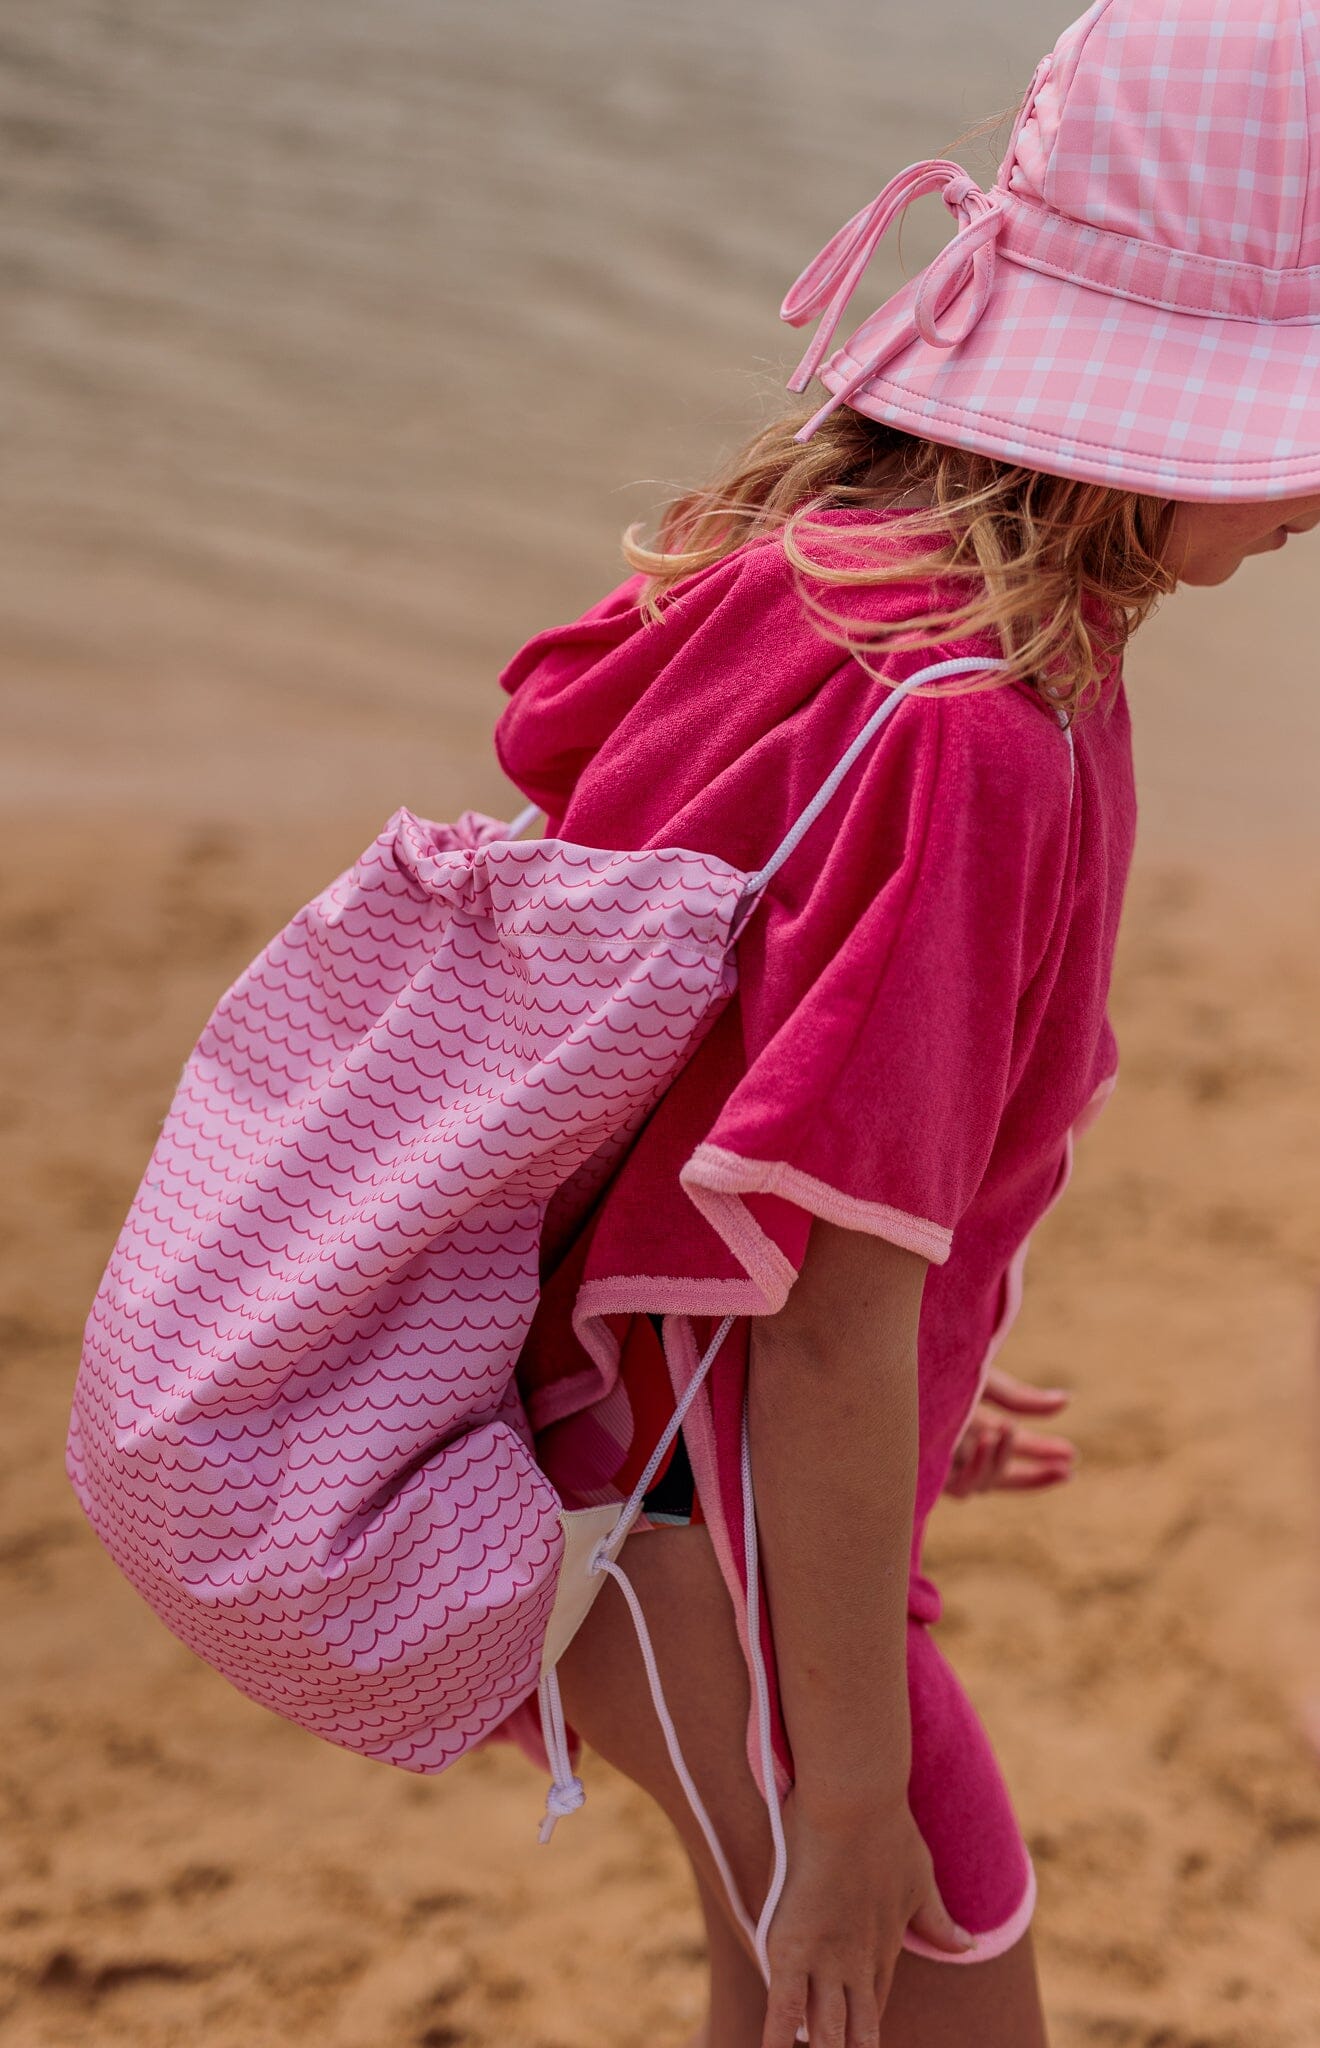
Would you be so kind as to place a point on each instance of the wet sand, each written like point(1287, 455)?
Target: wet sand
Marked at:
point(337, 345)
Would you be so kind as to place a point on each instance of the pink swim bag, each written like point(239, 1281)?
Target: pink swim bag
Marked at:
point(296, 1426)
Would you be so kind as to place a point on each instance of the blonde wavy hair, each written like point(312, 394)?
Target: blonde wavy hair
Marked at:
point(1061, 573)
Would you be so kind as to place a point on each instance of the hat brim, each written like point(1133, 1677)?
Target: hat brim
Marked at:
point(1061, 377)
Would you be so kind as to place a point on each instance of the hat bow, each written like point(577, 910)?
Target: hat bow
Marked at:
point(828, 283)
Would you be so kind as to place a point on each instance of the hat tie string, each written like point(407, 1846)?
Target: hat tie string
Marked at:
point(828, 283)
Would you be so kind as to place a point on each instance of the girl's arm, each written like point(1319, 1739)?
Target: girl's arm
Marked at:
point(833, 1425)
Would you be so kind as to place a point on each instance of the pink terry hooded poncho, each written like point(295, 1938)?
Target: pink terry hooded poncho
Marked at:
point(919, 1028)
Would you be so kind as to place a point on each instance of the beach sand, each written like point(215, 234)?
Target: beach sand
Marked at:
point(338, 344)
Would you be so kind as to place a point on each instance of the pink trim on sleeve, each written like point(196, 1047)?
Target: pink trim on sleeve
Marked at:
point(996, 1943)
point(631, 1294)
point(716, 1180)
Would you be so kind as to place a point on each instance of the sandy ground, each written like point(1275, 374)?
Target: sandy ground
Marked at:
point(337, 343)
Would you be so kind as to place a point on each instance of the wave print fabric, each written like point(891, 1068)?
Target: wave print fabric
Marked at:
point(296, 1427)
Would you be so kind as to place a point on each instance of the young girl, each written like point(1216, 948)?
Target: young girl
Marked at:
point(1107, 385)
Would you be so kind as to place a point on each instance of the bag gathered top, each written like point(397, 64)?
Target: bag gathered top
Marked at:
point(296, 1426)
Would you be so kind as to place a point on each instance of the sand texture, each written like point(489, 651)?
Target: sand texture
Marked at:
point(337, 344)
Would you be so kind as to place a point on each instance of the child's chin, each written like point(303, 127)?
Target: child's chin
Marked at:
point(1208, 575)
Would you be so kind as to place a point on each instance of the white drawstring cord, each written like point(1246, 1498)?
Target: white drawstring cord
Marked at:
point(761, 1688)
point(670, 1733)
point(517, 826)
point(614, 1542)
point(567, 1792)
point(936, 672)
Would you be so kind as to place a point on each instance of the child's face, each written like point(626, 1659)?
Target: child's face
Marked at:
point(1207, 543)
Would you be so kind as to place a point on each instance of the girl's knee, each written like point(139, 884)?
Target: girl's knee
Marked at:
point(996, 2004)
point(607, 1698)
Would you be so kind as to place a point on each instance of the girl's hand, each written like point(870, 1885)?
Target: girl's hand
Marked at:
point(855, 1883)
point(993, 1455)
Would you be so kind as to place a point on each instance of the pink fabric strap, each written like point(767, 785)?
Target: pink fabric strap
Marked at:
point(827, 284)
point(1128, 268)
point(1005, 223)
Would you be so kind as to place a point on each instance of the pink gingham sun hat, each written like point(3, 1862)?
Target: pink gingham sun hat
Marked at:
point(1136, 302)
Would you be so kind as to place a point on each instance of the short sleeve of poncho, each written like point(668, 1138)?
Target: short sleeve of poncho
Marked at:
point(882, 1007)
point(887, 990)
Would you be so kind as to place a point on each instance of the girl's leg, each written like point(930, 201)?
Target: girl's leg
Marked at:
point(951, 2005)
point(736, 2011)
point(606, 1698)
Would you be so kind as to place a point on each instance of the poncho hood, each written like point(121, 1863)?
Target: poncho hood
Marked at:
point(573, 686)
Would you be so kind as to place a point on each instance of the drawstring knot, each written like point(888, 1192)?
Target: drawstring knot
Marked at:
point(960, 189)
point(561, 1799)
point(827, 284)
point(567, 1791)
